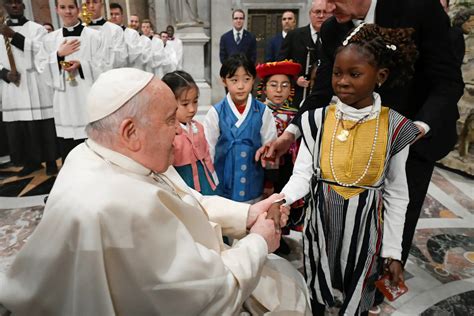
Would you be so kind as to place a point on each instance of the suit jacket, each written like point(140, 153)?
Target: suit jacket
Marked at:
point(295, 47)
point(273, 47)
point(431, 95)
point(247, 46)
point(456, 35)
point(116, 240)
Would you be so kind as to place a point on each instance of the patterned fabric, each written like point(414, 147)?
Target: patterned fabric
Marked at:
point(351, 157)
point(340, 268)
point(240, 178)
point(283, 115)
point(192, 159)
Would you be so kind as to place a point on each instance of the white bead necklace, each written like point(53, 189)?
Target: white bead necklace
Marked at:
point(331, 152)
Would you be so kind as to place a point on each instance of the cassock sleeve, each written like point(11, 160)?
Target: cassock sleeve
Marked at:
point(114, 49)
point(132, 42)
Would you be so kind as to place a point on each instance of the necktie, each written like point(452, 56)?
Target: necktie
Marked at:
point(237, 40)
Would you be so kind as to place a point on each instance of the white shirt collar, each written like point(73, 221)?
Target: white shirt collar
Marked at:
point(96, 20)
point(71, 28)
point(313, 30)
point(369, 17)
point(283, 33)
point(354, 114)
point(235, 32)
point(14, 20)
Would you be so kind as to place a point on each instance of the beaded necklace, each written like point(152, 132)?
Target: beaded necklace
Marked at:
point(331, 150)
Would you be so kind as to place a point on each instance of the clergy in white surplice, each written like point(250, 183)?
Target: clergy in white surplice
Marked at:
point(113, 44)
point(27, 105)
point(122, 233)
point(176, 44)
point(160, 62)
point(80, 48)
point(138, 48)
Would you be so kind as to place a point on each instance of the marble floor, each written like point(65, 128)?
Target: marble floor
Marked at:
point(439, 272)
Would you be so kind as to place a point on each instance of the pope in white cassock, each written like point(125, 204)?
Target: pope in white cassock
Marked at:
point(123, 234)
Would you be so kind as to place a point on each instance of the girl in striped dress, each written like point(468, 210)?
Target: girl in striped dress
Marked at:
point(352, 162)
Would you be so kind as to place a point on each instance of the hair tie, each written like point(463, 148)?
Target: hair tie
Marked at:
point(391, 47)
point(354, 32)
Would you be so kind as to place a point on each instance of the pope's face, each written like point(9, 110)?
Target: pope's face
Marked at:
point(157, 133)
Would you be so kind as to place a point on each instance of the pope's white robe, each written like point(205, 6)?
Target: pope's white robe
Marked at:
point(114, 49)
point(70, 97)
point(32, 99)
point(115, 240)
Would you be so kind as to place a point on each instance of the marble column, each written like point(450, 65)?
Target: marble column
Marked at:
point(194, 61)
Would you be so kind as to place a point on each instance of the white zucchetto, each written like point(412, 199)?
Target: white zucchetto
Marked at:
point(113, 89)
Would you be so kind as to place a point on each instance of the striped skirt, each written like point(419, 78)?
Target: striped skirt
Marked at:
point(341, 241)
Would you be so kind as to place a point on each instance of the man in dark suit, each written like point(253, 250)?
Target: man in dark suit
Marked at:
point(429, 98)
point(305, 42)
point(288, 23)
point(238, 40)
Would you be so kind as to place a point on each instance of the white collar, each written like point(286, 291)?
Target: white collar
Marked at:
point(71, 28)
point(235, 32)
point(283, 33)
point(240, 117)
point(14, 21)
point(353, 114)
point(116, 158)
point(96, 20)
point(313, 30)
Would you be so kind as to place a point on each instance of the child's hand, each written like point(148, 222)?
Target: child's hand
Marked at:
point(395, 269)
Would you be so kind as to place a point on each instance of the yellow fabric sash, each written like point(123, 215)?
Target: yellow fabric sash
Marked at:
point(350, 158)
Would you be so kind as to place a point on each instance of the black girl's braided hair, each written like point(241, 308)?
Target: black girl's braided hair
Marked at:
point(386, 48)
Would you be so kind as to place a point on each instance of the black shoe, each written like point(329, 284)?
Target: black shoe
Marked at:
point(51, 168)
point(29, 169)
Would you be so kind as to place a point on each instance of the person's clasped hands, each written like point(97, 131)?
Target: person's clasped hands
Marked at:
point(266, 219)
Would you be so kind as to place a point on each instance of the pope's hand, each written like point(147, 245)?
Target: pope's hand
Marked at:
point(258, 208)
point(265, 228)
